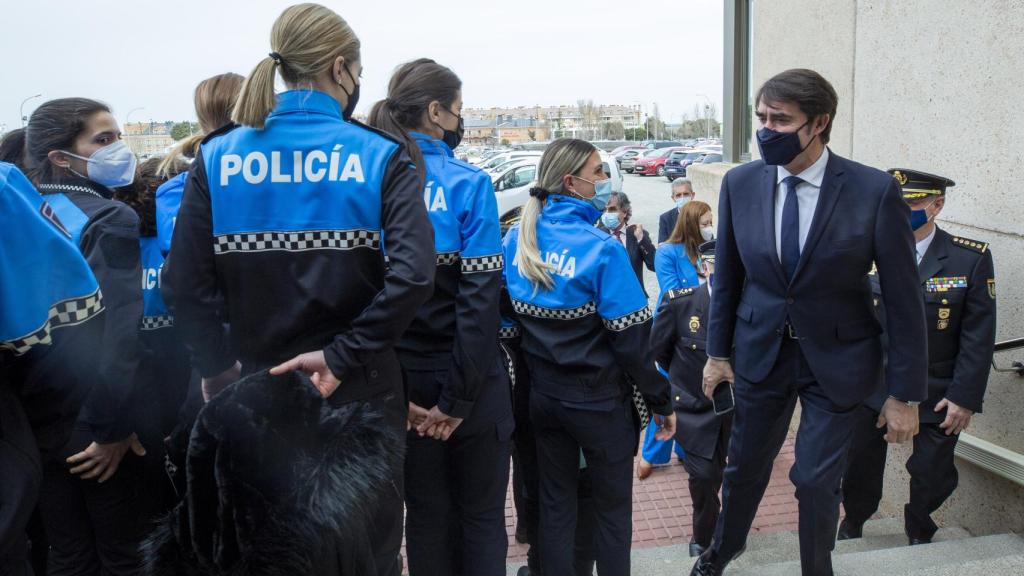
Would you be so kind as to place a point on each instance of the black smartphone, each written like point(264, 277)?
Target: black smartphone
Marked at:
point(722, 401)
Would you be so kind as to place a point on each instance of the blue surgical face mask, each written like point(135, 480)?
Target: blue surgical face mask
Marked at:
point(610, 220)
point(602, 192)
point(682, 202)
point(780, 148)
point(920, 217)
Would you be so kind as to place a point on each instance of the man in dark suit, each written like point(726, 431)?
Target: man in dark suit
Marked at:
point(633, 237)
point(682, 192)
point(679, 340)
point(957, 284)
point(797, 233)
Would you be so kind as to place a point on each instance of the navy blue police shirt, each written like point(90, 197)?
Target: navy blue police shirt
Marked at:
point(107, 234)
point(583, 338)
point(456, 329)
point(286, 225)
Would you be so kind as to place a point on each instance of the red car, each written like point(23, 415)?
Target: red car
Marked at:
point(654, 163)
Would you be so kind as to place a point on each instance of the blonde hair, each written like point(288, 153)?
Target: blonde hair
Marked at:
point(214, 101)
point(306, 38)
point(562, 157)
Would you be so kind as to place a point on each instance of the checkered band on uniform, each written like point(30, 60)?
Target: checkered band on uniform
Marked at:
point(622, 322)
point(64, 313)
point(508, 332)
point(447, 258)
point(297, 241)
point(554, 313)
point(156, 322)
point(483, 264)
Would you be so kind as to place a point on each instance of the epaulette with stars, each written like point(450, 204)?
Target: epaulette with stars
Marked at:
point(975, 245)
point(673, 294)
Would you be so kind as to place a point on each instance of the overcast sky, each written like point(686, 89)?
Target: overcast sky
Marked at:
point(151, 54)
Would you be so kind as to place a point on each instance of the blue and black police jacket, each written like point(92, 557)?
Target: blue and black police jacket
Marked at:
point(286, 225)
point(582, 337)
point(168, 201)
point(106, 233)
point(457, 328)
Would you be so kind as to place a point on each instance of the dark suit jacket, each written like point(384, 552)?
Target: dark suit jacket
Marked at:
point(860, 218)
point(666, 223)
point(679, 339)
point(640, 253)
point(961, 323)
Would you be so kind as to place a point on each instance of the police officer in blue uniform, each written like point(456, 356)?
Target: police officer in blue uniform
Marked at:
point(457, 463)
point(49, 298)
point(585, 337)
point(287, 219)
point(679, 339)
point(90, 488)
point(958, 287)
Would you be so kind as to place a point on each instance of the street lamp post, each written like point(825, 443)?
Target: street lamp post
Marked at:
point(21, 109)
point(707, 114)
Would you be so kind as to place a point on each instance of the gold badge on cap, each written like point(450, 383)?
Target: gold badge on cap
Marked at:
point(694, 324)
point(900, 177)
point(944, 313)
point(992, 288)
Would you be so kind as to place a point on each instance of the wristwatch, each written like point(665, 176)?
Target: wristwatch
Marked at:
point(910, 403)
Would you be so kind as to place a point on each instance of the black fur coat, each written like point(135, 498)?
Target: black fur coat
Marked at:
point(280, 482)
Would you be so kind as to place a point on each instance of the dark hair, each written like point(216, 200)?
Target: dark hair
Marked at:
point(624, 206)
point(412, 88)
point(54, 126)
point(807, 89)
point(141, 194)
point(12, 148)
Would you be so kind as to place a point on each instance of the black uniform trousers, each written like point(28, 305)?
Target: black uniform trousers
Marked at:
point(704, 483)
point(455, 489)
point(92, 528)
point(606, 433)
point(762, 416)
point(933, 474)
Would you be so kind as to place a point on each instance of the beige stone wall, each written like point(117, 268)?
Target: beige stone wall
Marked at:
point(933, 86)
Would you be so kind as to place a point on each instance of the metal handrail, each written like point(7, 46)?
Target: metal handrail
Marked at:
point(1016, 367)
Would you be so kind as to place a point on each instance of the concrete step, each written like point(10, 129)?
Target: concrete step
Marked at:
point(1012, 565)
point(948, 557)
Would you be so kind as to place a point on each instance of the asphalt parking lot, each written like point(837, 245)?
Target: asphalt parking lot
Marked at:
point(650, 197)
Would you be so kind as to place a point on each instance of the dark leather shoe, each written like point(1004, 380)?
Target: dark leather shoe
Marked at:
point(523, 571)
point(708, 564)
point(919, 541)
point(696, 549)
point(849, 530)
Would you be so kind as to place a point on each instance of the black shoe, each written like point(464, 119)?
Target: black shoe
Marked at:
point(523, 571)
point(919, 541)
point(521, 535)
point(849, 530)
point(696, 549)
point(708, 564)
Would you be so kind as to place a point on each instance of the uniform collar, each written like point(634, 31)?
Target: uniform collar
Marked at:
point(430, 145)
point(922, 246)
point(308, 101)
point(560, 207)
point(76, 184)
point(813, 174)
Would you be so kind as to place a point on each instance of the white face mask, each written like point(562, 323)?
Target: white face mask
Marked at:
point(707, 233)
point(112, 166)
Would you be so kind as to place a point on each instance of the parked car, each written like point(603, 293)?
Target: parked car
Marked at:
point(673, 168)
point(709, 158)
point(678, 166)
point(629, 161)
point(655, 144)
point(653, 163)
point(507, 155)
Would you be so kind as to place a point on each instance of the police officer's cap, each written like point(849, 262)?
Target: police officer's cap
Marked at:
point(916, 184)
point(707, 251)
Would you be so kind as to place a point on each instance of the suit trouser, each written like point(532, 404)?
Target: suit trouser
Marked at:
point(704, 483)
point(607, 437)
point(933, 474)
point(762, 416)
point(455, 490)
point(20, 477)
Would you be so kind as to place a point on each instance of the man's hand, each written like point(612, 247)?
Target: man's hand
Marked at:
point(314, 365)
point(213, 386)
point(638, 231)
point(438, 425)
point(957, 417)
point(716, 372)
point(666, 426)
point(417, 415)
point(901, 419)
point(102, 460)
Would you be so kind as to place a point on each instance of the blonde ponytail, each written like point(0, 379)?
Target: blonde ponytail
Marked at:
point(257, 98)
point(561, 158)
point(187, 147)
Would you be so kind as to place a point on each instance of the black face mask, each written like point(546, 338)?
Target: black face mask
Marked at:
point(452, 139)
point(353, 98)
point(780, 148)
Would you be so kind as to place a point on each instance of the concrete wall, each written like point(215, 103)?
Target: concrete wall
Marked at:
point(933, 86)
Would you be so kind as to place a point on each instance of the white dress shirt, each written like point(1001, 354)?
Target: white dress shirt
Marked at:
point(923, 245)
point(807, 193)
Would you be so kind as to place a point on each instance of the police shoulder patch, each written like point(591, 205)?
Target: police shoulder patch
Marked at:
point(974, 245)
point(673, 294)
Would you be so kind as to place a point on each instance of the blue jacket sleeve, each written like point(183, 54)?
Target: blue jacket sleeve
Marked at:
point(665, 268)
point(476, 305)
point(623, 308)
point(728, 283)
